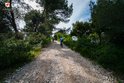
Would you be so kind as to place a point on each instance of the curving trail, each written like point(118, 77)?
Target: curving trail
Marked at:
point(61, 65)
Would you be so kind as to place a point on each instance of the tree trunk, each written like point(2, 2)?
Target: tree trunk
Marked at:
point(100, 38)
point(13, 23)
point(13, 19)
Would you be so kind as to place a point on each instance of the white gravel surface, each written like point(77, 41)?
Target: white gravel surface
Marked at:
point(60, 65)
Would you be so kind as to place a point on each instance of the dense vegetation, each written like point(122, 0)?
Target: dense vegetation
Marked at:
point(102, 38)
point(18, 46)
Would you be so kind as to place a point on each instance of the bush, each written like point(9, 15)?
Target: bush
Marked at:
point(38, 38)
point(16, 52)
point(13, 52)
point(68, 41)
point(112, 57)
point(108, 55)
point(35, 38)
point(45, 42)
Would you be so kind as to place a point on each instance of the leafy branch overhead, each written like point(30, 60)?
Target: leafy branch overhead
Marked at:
point(56, 10)
point(44, 21)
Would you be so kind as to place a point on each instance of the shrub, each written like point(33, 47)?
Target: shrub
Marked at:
point(108, 55)
point(112, 57)
point(35, 38)
point(45, 42)
point(38, 38)
point(13, 52)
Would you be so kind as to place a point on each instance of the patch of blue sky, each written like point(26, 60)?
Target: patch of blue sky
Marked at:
point(81, 12)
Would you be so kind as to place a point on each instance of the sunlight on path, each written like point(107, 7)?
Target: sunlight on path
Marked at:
point(60, 65)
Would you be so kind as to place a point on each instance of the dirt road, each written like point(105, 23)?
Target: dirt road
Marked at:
point(60, 65)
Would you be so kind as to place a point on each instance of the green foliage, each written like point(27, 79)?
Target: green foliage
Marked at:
point(81, 28)
point(94, 38)
point(46, 42)
point(102, 39)
point(59, 35)
point(35, 52)
point(38, 38)
point(83, 46)
point(3, 23)
point(35, 38)
point(35, 23)
point(112, 57)
point(13, 51)
point(33, 20)
point(108, 55)
point(45, 29)
point(56, 11)
point(108, 16)
point(4, 36)
point(68, 41)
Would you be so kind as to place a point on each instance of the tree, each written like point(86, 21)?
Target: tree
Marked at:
point(55, 10)
point(33, 20)
point(3, 21)
point(81, 28)
point(35, 23)
point(13, 18)
point(12, 13)
point(108, 16)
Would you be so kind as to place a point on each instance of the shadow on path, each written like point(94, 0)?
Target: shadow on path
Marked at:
point(60, 65)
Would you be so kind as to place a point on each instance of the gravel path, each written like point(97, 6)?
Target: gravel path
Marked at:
point(60, 65)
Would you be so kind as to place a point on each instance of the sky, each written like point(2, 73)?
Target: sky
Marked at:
point(81, 12)
point(34, 5)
